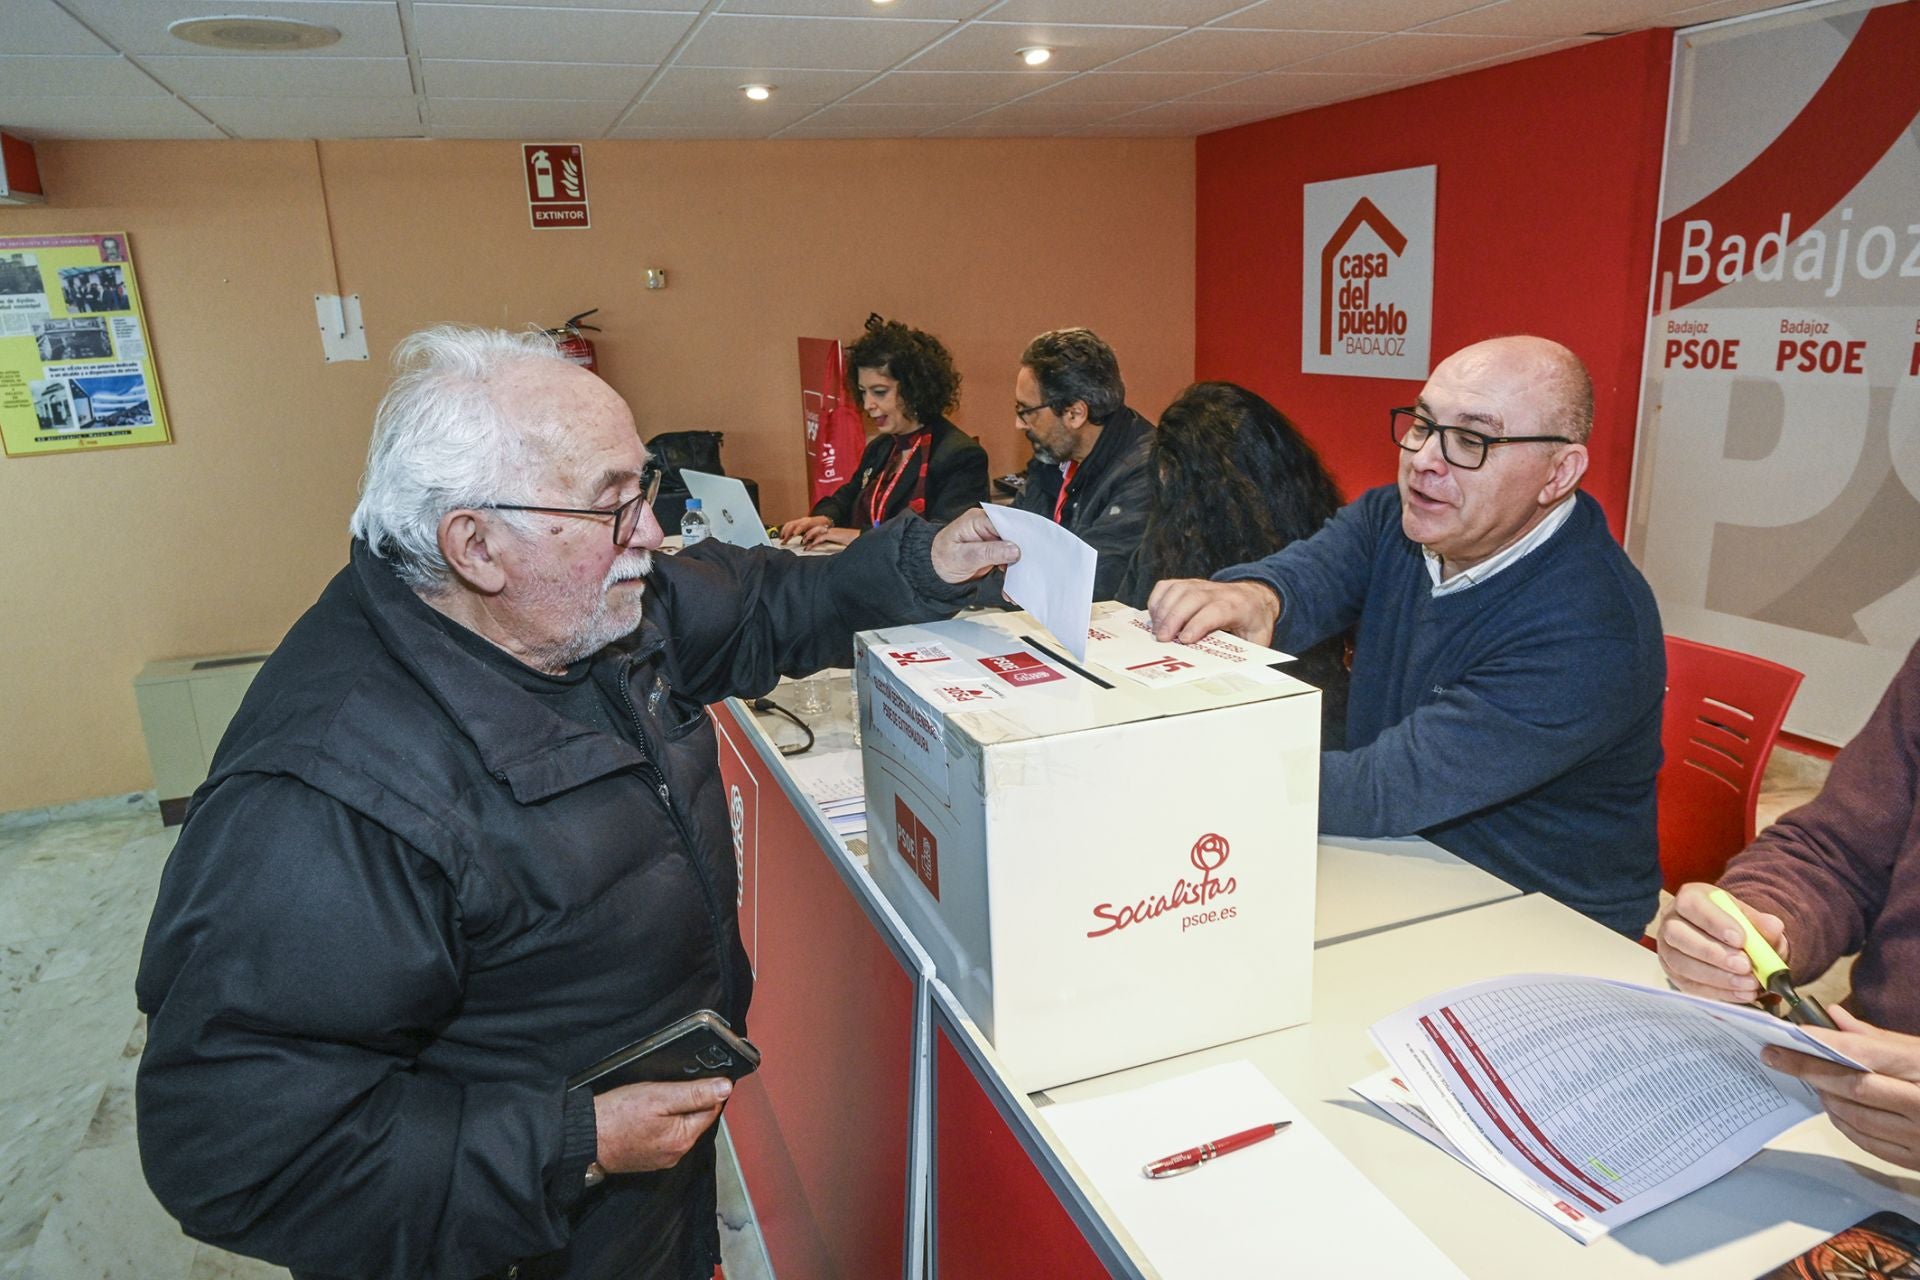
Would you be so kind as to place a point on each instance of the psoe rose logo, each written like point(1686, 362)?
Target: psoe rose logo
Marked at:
point(1190, 898)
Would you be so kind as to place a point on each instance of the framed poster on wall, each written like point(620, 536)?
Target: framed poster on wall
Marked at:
point(1776, 499)
point(76, 369)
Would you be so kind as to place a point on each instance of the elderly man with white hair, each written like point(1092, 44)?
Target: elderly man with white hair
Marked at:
point(466, 836)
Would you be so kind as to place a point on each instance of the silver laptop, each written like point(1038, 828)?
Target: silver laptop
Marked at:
point(728, 509)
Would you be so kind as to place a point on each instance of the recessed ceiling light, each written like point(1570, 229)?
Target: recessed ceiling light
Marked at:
point(883, 2)
point(758, 92)
point(254, 35)
point(1034, 55)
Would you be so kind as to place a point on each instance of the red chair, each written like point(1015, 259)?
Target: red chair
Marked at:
point(1723, 711)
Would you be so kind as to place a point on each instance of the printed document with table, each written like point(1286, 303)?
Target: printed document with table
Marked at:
point(1591, 1101)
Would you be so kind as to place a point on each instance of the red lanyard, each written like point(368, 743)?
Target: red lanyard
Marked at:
point(1066, 479)
point(877, 505)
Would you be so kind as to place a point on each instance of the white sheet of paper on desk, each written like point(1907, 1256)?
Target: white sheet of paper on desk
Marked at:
point(1121, 640)
point(1593, 1101)
point(1289, 1206)
point(1054, 579)
point(828, 776)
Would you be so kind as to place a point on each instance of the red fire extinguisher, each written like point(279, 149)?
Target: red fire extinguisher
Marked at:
point(575, 345)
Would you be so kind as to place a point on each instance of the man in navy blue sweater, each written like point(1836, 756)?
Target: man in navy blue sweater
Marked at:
point(1508, 661)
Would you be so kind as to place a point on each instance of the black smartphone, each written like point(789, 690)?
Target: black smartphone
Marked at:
point(699, 1046)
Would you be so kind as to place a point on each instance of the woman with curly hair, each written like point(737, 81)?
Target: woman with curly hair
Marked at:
point(906, 384)
point(1234, 481)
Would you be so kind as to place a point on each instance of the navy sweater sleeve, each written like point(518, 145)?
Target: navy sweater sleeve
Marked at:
point(1322, 580)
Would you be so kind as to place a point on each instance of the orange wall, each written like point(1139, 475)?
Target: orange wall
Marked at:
point(216, 543)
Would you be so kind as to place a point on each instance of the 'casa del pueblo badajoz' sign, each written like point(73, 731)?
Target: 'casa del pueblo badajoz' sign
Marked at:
point(1367, 275)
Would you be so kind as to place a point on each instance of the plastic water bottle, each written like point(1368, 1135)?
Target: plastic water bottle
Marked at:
point(694, 526)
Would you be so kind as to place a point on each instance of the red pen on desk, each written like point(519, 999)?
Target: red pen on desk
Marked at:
point(1193, 1157)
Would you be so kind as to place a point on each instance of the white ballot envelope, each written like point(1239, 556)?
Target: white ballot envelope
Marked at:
point(1054, 579)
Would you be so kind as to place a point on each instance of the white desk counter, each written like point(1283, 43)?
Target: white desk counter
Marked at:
point(1808, 1184)
point(1368, 885)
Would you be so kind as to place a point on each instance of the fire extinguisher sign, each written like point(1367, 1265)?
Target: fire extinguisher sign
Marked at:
point(556, 186)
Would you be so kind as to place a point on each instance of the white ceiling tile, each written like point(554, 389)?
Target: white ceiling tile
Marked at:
point(995, 131)
point(1292, 90)
point(368, 28)
point(1543, 18)
point(1135, 87)
point(44, 116)
point(722, 84)
point(60, 74)
point(513, 33)
point(294, 117)
point(657, 133)
point(589, 82)
point(1418, 53)
point(40, 26)
point(1716, 11)
point(1055, 116)
point(1145, 13)
point(951, 9)
point(847, 133)
point(521, 118)
point(1220, 49)
point(994, 46)
point(742, 115)
point(1201, 117)
point(896, 115)
point(659, 6)
point(296, 77)
point(1348, 15)
point(838, 44)
point(981, 87)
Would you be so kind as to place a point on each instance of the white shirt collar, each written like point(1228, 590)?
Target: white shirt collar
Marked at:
point(1501, 559)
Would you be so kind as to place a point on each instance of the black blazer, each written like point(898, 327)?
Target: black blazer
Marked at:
point(956, 480)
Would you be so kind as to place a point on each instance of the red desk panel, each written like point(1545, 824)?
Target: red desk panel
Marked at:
point(995, 1216)
point(822, 1129)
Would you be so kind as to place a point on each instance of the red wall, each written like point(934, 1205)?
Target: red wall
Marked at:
point(1546, 199)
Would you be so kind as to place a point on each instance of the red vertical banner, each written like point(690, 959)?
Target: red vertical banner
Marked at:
point(834, 436)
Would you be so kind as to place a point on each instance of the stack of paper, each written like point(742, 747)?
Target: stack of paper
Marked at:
point(1590, 1101)
point(832, 780)
point(1289, 1206)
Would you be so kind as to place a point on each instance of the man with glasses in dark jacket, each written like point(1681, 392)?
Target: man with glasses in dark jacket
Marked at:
point(1508, 667)
point(1089, 468)
point(467, 836)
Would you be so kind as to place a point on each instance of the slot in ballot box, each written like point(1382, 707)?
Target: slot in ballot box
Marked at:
point(1109, 863)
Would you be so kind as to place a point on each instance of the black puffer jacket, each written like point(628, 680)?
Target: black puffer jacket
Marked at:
point(411, 900)
point(1106, 504)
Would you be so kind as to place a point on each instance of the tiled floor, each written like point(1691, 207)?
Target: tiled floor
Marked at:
point(75, 894)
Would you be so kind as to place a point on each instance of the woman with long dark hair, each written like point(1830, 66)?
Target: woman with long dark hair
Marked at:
point(906, 384)
point(1235, 481)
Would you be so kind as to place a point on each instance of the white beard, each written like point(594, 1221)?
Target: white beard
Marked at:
point(605, 623)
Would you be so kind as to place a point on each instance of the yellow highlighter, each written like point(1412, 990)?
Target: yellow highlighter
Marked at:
point(1770, 970)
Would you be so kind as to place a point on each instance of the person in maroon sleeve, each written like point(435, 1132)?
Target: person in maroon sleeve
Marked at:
point(1837, 875)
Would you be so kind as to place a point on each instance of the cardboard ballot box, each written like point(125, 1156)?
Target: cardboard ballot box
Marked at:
point(1110, 863)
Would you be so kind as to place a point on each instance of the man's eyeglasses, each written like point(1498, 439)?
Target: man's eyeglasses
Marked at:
point(1025, 412)
point(626, 516)
point(1461, 447)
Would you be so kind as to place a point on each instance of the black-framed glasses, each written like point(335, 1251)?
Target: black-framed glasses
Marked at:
point(625, 517)
point(1460, 446)
point(1025, 412)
